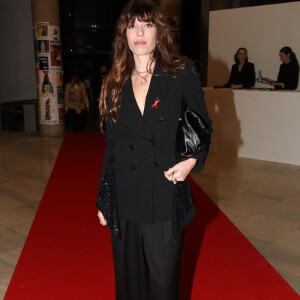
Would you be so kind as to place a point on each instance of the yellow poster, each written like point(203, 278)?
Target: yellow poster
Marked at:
point(42, 29)
point(59, 79)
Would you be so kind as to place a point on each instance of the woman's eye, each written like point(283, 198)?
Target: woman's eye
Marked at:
point(149, 25)
point(130, 26)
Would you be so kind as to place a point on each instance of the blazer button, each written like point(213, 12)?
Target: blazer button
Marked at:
point(132, 167)
point(131, 147)
point(123, 125)
point(155, 164)
point(162, 120)
point(152, 142)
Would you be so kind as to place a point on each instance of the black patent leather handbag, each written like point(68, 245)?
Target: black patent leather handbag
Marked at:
point(192, 134)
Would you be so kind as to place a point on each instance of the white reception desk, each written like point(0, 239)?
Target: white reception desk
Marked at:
point(255, 123)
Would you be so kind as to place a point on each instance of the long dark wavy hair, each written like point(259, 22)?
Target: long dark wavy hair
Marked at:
point(236, 55)
point(165, 54)
point(288, 51)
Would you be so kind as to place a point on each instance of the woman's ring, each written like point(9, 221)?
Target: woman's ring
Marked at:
point(174, 179)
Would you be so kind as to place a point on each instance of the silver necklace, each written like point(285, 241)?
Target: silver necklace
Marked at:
point(144, 78)
point(147, 71)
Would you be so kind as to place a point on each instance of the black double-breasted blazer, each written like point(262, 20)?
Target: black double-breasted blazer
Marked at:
point(144, 145)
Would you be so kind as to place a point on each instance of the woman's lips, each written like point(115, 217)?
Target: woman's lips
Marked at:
point(139, 43)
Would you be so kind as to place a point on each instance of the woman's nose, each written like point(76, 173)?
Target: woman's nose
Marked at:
point(140, 31)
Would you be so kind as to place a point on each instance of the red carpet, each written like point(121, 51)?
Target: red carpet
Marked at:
point(67, 254)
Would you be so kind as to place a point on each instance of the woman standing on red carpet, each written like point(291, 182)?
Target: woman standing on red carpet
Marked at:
point(143, 96)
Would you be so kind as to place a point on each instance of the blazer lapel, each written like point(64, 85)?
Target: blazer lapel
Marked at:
point(130, 114)
point(155, 105)
point(156, 100)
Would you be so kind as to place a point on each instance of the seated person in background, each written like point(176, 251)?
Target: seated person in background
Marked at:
point(242, 74)
point(288, 75)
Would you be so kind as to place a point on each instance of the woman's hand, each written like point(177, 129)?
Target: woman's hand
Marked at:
point(274, 83)
point(237, 86)
point(266, 79)
point(103, 221)
point(181, 170)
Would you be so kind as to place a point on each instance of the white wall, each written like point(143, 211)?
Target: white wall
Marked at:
point(255, 124)
point(17, 76)
point(263, 30)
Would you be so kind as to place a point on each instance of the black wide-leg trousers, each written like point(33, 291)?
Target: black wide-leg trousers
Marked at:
point(147, 261)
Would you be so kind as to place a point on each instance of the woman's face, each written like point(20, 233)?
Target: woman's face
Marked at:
point(285, 58)
point(242, 55)
point(141, 37)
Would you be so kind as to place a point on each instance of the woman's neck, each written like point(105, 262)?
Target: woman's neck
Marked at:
point(142, 63)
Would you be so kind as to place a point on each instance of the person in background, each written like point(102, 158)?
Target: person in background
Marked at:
point(242, 75)
point(288, 75)
point(103, 72)
point(76, 102)
point(100, 76)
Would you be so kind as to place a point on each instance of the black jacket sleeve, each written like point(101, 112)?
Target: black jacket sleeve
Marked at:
point(231, 78)
point(193, 96)
point(292, 77)
point(111, 130)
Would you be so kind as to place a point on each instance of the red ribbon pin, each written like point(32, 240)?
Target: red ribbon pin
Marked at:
point(155, 103)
